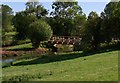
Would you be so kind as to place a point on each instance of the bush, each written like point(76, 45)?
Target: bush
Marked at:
point(77, 47)
point(64, 48)
point(6, 40)
point(50, 46)
point(39, 31)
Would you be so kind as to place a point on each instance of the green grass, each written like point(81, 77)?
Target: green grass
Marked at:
point(20, 47)
point(65, 67)
point(10, 33)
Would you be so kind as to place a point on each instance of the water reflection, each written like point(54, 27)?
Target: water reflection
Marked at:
point(10, 59)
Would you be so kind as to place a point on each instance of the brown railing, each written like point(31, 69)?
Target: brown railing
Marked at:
point(65, 40)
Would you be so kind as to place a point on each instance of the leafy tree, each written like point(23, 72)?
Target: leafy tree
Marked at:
point(21, 22)
point(0, 25)
point(23, 19)
point(65, 15)
point(7, 15)
point(0, 17)
point(33, 7)
point(111, 26)
point(91, 35)
point(39, 31)
point(6, 21)
point(79, 23)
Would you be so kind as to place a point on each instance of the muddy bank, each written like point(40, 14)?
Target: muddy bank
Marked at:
point(7, 53)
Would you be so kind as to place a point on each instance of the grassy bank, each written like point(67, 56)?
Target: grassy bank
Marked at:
point(65, 67)
point(20, 47)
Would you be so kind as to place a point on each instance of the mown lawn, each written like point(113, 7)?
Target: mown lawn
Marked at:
point(11, 33)
point(65, 67)
point(20, 47)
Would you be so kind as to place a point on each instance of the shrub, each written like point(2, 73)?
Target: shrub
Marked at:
point(77, 47)
point(39, 31)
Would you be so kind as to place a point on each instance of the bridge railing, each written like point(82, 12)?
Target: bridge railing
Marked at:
point(65, 39)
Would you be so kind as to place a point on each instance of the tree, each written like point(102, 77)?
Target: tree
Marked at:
point(21, 22)
point(39, 31)
point(6, 21)
point(0, 17)
point(33, 7)
point(111, 26)
point(7, 15)
point(65, 15)
point(26, 23)
point(91, 35)
point(23, 19)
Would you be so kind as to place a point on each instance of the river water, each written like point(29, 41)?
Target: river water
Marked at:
point(10, 59)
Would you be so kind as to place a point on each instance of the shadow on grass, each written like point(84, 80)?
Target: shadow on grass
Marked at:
point(50, 58)
point(21, 49)
point(61, 57)
point(100, 51)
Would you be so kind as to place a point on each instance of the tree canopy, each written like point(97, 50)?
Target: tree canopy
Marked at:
point(111, 20)
point(23, 19)
point(39, 31)
point(91, 32)
point(66, 15)
point(7, 15)
point(36, 9)
point(65, 19)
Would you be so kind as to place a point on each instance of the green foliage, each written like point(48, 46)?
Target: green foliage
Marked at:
point(91, 32)
point(7, 15)
point(39, 31)
point(7, 40)
point(65, 15)
point(102, 29)
point(21, 22)
point(66, 9)
point(67, 18)
point(6, 21)
point(77, 47)
point(65, 48)
point(23, 19)
point(35, 8)
point(111, 26)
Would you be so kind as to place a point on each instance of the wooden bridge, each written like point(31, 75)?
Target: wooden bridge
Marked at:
point(69, 40)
